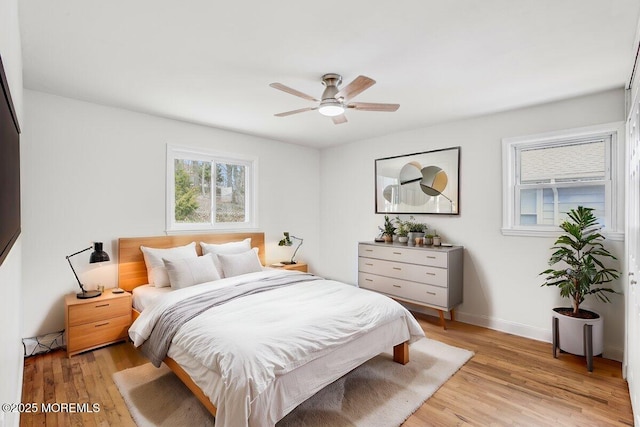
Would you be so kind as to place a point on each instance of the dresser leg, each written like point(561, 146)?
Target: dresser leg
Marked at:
point(442, 321)
point(453, 317)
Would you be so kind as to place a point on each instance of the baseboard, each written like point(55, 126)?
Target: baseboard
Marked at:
point(514, 328)
point(526, 331)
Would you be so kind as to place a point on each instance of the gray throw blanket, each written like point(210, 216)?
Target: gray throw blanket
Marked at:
point(156, 347)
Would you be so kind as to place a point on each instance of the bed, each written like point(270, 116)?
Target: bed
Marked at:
point(257, 365)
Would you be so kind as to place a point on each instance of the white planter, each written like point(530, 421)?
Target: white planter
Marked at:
point(571, 333)
point(403, 239)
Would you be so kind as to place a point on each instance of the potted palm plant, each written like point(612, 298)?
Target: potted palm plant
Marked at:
point(579, 251)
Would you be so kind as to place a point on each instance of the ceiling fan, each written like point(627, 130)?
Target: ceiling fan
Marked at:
point(335, 101)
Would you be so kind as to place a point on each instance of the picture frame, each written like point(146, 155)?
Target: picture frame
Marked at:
point(419, 183)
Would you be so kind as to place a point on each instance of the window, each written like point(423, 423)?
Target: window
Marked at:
point(545, 176)
point(208, 190)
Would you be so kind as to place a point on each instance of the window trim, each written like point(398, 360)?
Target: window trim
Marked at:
point(614, 194)
point(196, 153)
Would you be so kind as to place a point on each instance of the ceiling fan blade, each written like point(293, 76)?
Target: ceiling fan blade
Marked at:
point(301, 110)
point(338, 120)
point(373, 106)
point(291, 91)
point(356, 87)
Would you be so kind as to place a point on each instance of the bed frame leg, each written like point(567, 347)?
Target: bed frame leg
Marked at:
point(401, 353)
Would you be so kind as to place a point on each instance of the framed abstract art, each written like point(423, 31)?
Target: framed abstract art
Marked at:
point(419, 183)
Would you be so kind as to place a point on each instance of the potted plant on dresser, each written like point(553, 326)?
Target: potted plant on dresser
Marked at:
point(388, 230)
point(416, 229)
point(402, 230)
point(579, 253)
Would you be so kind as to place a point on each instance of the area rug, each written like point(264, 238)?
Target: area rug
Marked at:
point(378, 393)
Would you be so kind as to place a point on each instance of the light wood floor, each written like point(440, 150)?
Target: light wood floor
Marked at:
point(509, 381)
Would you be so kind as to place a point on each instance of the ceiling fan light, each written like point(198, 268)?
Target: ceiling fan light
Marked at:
point(331, 108)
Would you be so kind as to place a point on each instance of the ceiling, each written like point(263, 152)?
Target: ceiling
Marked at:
point(211, 62)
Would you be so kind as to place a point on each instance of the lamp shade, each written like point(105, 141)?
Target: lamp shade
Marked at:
point(98, 255)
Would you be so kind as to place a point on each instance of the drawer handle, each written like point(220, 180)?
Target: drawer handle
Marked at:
point(397, 286)
point(368, 250)
point(102, 324)
point(369, 264)
point(102, 305)
point(369, 280)
point(431, 293)
point(431, 274)
point(397, 268)
point(431, 257)
point(397, 253)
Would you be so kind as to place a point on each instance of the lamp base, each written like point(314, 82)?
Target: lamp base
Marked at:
point(288, 262)
point(88, 294)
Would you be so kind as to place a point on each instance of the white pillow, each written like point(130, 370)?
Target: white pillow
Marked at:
point(153, 258)
point(191, 271)
point(225, 248)
point(237, 264)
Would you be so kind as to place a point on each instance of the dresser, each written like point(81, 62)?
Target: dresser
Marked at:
point(95, 322)
point(428, 276)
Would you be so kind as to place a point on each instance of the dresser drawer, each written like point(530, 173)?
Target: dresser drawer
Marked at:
point(422, 256)
point(403, 289)
point(98, 333)
point(412, 272)
point(102, 309)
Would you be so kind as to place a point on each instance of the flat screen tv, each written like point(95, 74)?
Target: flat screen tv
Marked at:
point(9, 170)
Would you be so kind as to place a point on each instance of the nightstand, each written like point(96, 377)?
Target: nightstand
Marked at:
point(96, 322)
point(301, 266)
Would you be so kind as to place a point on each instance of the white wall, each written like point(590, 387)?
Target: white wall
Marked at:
point(501, 283)
point(11, 365)
point(95, 173)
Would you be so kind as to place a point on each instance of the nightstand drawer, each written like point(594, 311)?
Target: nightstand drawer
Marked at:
point(98, 333)
point(100, 309)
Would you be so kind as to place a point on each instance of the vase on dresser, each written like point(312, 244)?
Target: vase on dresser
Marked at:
point(413, 235)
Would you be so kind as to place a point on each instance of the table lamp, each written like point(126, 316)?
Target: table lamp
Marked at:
point(287, 242)
point(98, 255)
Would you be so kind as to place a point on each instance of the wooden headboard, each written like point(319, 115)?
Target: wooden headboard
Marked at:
point(132, 271)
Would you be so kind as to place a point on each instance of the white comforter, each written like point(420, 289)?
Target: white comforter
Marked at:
point(251, 341)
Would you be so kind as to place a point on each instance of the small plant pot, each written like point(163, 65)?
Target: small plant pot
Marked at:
point(403, 239)
point(413, 235)
point(436, 241)
point(571, 332)
point(388, 239)
point(428, 241)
